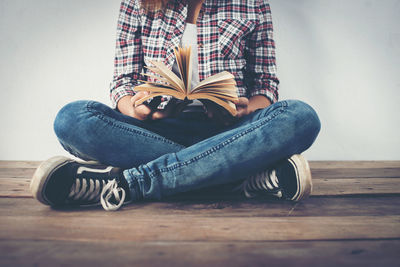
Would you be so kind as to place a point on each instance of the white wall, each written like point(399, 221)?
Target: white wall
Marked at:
point(340, 56)
point(343, 57)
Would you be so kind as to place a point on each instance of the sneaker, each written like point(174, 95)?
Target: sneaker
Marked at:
point(63, 181)
point(290, 179)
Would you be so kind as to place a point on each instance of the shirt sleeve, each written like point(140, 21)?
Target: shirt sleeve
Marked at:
point(128, 61)
point(261, 61)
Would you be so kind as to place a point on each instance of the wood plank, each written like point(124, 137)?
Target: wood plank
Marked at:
point(15, 187)
point(323, 187)
point(356, 172)
point(19, 164)
point(255, 221)
point(19, 187)
point(324, 206)
point(315, 253)
point(355, 186)
point(16, 173)
point(189, 228)
point(343, 164)
point(359, 226)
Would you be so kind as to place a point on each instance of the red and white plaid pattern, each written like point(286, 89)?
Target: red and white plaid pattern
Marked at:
point(234, 35)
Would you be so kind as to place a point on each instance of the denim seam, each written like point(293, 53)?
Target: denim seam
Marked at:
point(226, 142)
point(103, 118)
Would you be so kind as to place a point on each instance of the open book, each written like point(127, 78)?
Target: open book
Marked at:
point(219, 88)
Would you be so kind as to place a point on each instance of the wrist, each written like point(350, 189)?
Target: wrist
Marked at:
point(123, 101)
point(258, 102)
point(124, 104)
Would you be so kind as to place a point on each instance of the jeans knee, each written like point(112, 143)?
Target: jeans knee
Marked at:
point(68, 117)
point(307, 118)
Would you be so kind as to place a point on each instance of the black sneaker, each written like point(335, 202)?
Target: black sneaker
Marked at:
point(63, 181)
point(289, 179)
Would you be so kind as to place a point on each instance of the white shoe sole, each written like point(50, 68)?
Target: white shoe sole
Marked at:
point(303, 174)
point(42, 174)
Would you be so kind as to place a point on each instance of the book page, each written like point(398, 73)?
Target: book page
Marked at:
point(217, 86)
point(189, 69)
point(223, 83)
point(224, 75)
point(224, 94)
point(161, 69)
point(222, 97)
point(158, 88)
point(184, 62)
point(228, 105)
point(158, 79)
point(179, 63)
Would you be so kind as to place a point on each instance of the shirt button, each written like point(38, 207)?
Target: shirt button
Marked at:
point(201, 45)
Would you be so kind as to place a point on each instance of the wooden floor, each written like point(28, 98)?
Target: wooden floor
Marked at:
point(351, 219)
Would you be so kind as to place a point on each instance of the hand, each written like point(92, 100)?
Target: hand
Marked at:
point(126, 105)
point(242, 107)
point(218, 113)
point(245, 106)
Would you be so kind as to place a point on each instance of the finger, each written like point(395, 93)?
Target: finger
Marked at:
point(236, 101)
point(159, 115)
point(142, 112)
point(241, 112)
point(138, 96)
point(243, 101)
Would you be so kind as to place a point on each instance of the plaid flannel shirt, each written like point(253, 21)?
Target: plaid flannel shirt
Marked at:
point(234, 35)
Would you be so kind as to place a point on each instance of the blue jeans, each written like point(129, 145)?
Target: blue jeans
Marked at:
point(173, 155)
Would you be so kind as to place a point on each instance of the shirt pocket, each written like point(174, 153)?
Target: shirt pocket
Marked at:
point(232, 37)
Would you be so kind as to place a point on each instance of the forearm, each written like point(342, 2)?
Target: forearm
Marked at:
point(261, 61)
point(128, 60)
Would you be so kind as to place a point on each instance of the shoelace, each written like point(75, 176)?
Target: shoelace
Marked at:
point(264, 181)
point(88, 190)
